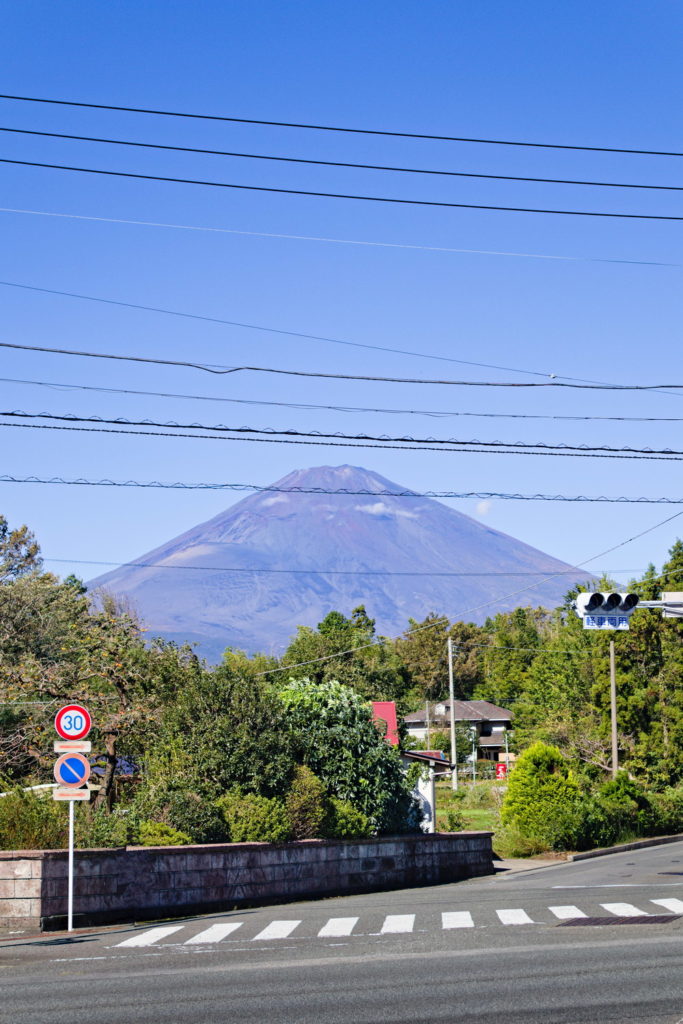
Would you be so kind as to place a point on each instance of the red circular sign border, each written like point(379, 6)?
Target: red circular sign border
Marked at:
point(72, 785)
point(73, 707)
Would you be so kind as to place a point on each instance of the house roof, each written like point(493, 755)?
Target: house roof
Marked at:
point(465, 711)
point(428, 757)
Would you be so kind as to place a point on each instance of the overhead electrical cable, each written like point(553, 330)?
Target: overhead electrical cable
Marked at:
point(337, 128)
point(222, 370)
point(300, 572)
point(297, 489)
point(341, 195)
point(338, 444)
point(339, 163)
point(337, 435)
point(260, 570)
point(308, 406)
point(380, 641)
point(268, 330)
point(338, 241)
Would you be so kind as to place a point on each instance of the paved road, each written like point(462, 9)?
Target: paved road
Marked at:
point(596, 941)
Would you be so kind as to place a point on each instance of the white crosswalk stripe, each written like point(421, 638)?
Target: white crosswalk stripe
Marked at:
point(337, 926)
point(152, 935)
point(566, 913)
point(395, 924)
point(514, 917)
point(277, 930)
point(675, 906)
point(456, 919)
point(214, 934)
point(624, 910)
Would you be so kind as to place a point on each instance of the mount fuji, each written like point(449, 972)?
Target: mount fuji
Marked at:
point(275, 560)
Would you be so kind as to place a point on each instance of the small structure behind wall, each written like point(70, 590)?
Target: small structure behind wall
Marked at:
point(434, 764)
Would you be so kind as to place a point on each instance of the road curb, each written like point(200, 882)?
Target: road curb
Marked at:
point(638, 844)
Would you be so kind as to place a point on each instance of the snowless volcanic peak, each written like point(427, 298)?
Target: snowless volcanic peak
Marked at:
point(229, 581)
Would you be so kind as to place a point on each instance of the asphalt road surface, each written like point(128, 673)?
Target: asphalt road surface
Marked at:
point(586, 943)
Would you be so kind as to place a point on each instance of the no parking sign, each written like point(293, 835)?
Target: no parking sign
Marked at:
point(72, 770)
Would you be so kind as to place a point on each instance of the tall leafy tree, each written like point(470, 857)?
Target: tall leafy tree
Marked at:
point(19, 552)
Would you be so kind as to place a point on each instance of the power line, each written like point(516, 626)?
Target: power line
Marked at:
point(310, 571)
point(222, 428)
point(339, 163)
point(307, 406)
point(222, 370)
point(296, 572)
point(340, 195)
point(339, 241)
point(340, 444)
point(334, 128)
point(469, 611)
point(274, 489)
point(268, 330)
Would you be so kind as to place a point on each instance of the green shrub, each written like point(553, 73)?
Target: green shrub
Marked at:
point(668, 810)
point(455, 821)
point(343, 821)
point(252, 818)
point(32, 821)
point(306, 804)
point(98, 829)
point(481, 794)
point(509, 842)
point(338, 740)
point(543, 802)
point(155, 833)
point(183, 810)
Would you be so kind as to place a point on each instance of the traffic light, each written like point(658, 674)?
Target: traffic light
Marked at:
point(605, 611)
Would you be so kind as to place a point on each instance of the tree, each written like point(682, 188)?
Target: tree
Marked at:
point(19, 552)
point(337, 739)
point(543, 799)
point(347, 650)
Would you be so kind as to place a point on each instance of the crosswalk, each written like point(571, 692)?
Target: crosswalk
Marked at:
point(392, 924)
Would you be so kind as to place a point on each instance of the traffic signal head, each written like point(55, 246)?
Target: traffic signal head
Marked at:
point(605, 604)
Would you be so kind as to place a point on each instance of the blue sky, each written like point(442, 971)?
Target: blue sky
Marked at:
point(605, 75)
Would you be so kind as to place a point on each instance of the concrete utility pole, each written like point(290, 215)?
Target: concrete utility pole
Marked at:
point(451, 691)
point(613, 708)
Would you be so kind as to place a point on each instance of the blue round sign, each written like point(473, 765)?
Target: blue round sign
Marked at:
point(72, 770)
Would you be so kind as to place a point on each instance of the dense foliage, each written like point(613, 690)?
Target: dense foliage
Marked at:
point(179, 747)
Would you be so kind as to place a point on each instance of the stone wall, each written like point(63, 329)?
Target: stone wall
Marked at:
point(143, 883)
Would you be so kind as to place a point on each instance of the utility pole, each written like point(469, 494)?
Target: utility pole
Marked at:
point(613, 709)
point(429, 731)
point(451, 691)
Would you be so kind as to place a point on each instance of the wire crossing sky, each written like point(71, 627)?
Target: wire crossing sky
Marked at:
point(304, 216)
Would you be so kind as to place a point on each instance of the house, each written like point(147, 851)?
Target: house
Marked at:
point(489, 722)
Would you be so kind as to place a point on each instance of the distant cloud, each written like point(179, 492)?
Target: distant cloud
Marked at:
point(381, 509)
point(484, 507)
point(275, 500)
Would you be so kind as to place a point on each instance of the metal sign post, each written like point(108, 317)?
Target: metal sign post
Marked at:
point(72, 771)
point(451, 693)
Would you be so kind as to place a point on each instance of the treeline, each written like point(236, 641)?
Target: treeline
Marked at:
point(540, 664)
point(259, 747)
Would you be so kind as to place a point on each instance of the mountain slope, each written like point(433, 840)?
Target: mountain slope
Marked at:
point(336, 535)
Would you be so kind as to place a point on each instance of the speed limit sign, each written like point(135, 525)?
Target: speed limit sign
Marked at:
point(73, 722)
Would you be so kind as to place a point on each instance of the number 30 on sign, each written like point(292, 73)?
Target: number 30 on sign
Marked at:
point(73, 722)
